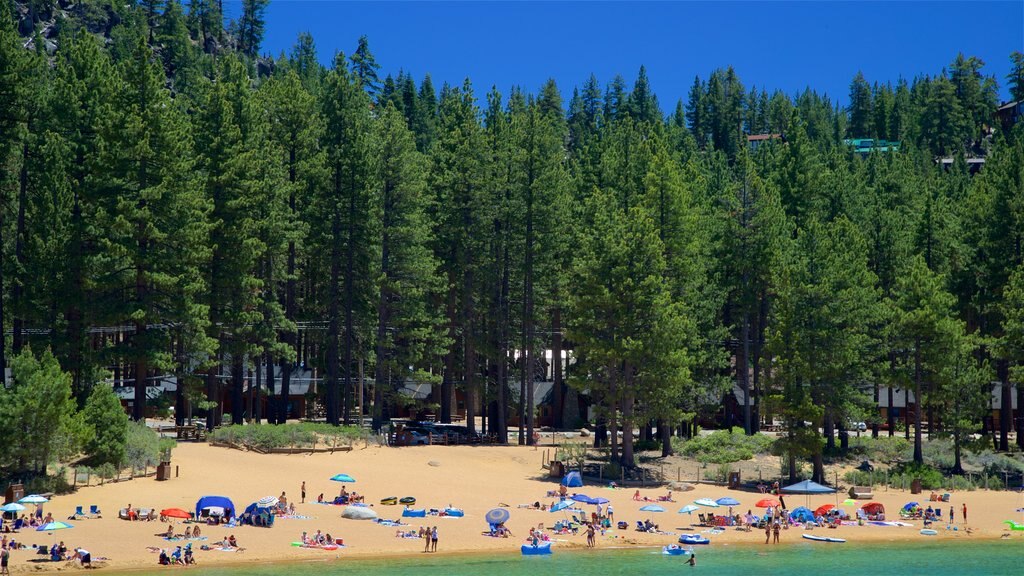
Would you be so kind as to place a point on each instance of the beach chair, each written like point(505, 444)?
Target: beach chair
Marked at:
point(94, 510)
point(122, 514)
point(703, 520)
point(78, 512)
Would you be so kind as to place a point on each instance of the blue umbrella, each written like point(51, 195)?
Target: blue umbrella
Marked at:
point(583, 498)
point(706, 502)
point(910, 505)
point(688, 509)
point(12, 507)
point(342, 478)
point(652, 508)
point(599, 500)
point(497, 516)
point(727, 501)
point(33, 499)
point(561, 505)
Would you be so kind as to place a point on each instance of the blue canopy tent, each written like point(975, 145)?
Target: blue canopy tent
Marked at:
point(808, 487)
point(219, 502)
point(257, 514)
point(572, 480)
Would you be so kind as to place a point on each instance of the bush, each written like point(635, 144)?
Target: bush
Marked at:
point(646, 445)
point(724, 446)
point(888, 449)
point(58, 484)
point(931, 478)
point(572, 454)
point(142, 448)
point(298, 435)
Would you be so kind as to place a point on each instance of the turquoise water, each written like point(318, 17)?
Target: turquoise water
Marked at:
point(933, 559)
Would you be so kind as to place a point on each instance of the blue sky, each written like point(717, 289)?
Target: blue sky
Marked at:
point(784, 45)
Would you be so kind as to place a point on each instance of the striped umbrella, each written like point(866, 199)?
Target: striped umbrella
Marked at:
point(497, 516)
point(706, 502)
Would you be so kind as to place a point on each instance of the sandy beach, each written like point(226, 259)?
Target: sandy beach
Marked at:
point(475, 479)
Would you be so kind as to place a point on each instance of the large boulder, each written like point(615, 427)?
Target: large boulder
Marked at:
point(359, 513)
point(680, 486)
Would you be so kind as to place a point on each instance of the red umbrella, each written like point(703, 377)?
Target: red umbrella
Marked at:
point(767, 503)
point(873, 508)
point(824, 509)
point(176, 513)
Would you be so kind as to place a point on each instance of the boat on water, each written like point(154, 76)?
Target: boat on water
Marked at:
point(822, 538)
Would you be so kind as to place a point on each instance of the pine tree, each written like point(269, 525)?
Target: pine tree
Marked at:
point(1015, 79)
point(364, 67)
point(409, 331)
point(152, 219)
point(860, 125)
point(343, 234)
point(251, 26)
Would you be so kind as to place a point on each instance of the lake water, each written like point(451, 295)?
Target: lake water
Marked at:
point(930, 559)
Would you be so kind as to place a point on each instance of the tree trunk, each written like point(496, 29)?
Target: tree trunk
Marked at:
point(179, 390)
point(628, 459)
point(819, 468)
point(918, 454)
point(18, 285)
point(957, 466)
point(448, 379)
point(350, 303)
point(829, 429)
point(743, 367)
point(665, 432)
point(279, 414)
point(334, 319)
point(890, 415)
point(383, 316)
point(237, 382)
point(1019, 418)
point(558, 384)
point(1006, 408)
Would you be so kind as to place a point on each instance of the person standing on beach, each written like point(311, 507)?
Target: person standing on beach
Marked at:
point(5, 557)
point(433, 539)
point(965, 513)
point(303, 492)
point(591, 542)
point(610, 513)
point(776, 531)
point(425, 534)
point(767, 532)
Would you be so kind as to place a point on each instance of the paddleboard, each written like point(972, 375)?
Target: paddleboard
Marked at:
point(822, 538)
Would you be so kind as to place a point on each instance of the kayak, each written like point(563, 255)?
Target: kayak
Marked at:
point(822, 538)
point(540, 549)
point(693, 539)
point(674, 550)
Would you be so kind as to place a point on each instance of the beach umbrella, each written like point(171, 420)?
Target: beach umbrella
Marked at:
point(33, 499)
point(560, 505)
point(652, 508)
point(176, 513)
point(808, 487)
point(824, 509)
point(873, 508)
point(911, 505)
point(267, 502)
point(727, 501)
point(51, 526)
point(688, 509)
point(12, 507)
point(600, 500)
point(497, 516)
point(706, 502)
point(342, 478)
point(767, 503)
point(849, 502)
point(583, 498)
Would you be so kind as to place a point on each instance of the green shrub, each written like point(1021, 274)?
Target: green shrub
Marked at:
point(646, 445)
point(58, 484)
point(107, 420)
point(888, 449)
point(724, 446)
point(142, 448)
point(931, 478)
point(298, 435)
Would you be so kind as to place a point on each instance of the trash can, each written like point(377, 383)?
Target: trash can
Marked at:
point(557, 469)
point(14, 493)
point(734, 479)
point(915, 486)
point(163, 471)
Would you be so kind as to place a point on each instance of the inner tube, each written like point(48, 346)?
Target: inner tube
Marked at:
point(928, 532)
point(389, 501)
point(540, 549)
point(674, 550)
point(407, 500)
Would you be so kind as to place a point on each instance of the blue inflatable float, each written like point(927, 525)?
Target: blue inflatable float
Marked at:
point(693, 539)
point(674, 550)
point(454, 512)
point(411, 513)
point(540, 549)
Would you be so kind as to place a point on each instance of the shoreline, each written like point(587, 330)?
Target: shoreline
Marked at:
point(475, 479)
